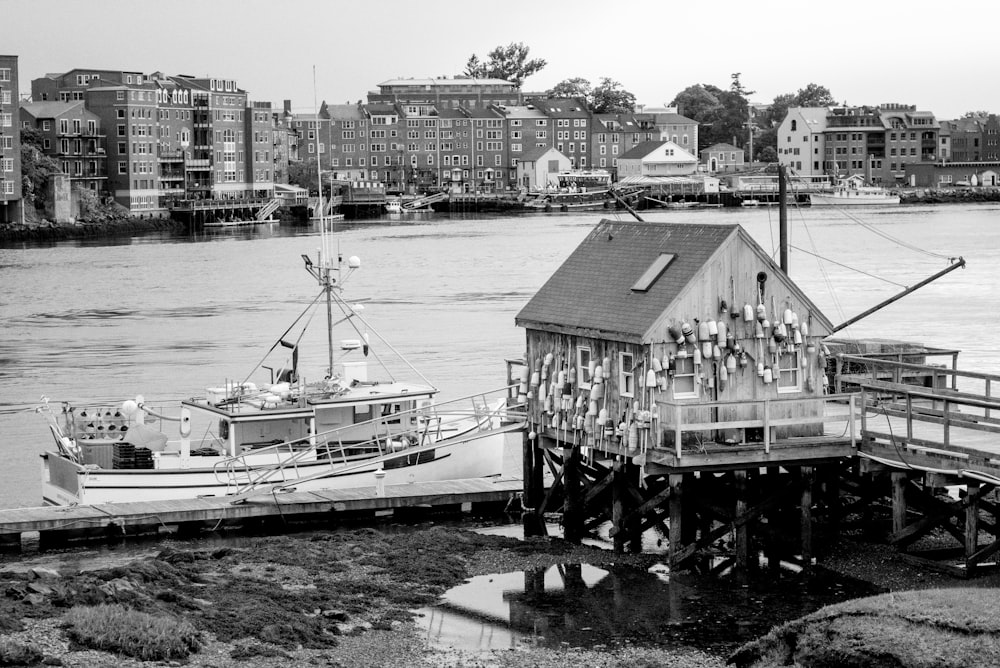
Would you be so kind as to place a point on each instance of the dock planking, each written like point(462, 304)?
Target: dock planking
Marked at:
point(129, 518)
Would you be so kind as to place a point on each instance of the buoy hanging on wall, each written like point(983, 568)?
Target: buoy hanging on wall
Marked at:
point(722, 333)
point(768, 377)
point(786, 317)
point(713, 329)
point(688, 332)
point(697, 356)
point(761, 313)
point(703, 333)
point(674, 334)
point(706, 350)
point(731, 364)
point(747, 313)
point(651, 378)
point(760, 369)
point(657, 367)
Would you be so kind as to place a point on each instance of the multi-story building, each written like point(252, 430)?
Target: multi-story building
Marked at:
point(347, 124)
point(910, 137)
point(672, 126)
point(456, 154)
point(11, 204)
point(801, 140)
point(130, 113)
point(385, 161)
point(991, 138)
point(172, 139)
point(966, 139)
point(571, 126)
point(420, 142)
point(259, 139)
point(489, 150)
point(528, 129)
point(72, 85)
point(875, 142)
point(73, 136)
point(447, 92)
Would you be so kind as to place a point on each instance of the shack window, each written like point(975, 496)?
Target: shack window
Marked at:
point(626, 375)
point(789, 376)
point(685, 385)
point(583, 366)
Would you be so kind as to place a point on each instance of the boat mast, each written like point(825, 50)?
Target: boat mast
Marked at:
point(325, 260)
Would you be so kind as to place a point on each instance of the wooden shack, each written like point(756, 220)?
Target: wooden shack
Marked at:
point(649, 325)
point(674, 377)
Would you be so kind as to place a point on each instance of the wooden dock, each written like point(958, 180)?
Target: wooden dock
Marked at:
point(49, 524)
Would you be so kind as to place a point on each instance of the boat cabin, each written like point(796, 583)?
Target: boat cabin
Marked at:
point(646, 325)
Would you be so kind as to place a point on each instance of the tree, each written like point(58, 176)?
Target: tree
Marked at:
point(36, 166)
point(303, 174)
point(505, 62)
point(814, 95)
point(575, 87)
point(697, 101)
point(610, 98)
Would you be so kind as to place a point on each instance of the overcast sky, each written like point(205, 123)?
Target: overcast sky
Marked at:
point(940, 57)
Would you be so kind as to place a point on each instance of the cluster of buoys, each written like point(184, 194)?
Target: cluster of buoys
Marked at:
point(583, 408)
point(98, 423)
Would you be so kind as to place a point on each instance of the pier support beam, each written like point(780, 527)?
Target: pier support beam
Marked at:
point(676, 481)
point(807, 478)
point(899, 482)
point(533, 487)
point(572, 502)
point(742, 538)
point(619, 493)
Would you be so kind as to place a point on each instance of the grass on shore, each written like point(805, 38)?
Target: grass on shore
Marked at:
point(118, 629)
point(932, 628)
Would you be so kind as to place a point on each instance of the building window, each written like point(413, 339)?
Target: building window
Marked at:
point(685, 385)
point(583, 366)
point(789, 374)
point(626, 375)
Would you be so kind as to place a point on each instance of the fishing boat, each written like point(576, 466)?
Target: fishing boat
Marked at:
point(578, 190)
point(281, 430)
point(393, 205)
point(852, 191)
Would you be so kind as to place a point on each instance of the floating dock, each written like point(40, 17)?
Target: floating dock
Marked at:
point(56, 524)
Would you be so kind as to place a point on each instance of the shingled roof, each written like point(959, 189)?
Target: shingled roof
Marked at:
point(592, 290)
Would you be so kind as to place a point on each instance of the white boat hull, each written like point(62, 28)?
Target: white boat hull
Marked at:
point(820, 199)
point(67, 483)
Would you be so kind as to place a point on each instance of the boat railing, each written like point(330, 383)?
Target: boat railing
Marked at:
point(435, 423)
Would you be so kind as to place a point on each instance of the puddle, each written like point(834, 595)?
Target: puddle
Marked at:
point(579, 605)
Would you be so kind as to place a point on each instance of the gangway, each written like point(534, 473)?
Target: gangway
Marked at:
point(423, 202)
point(265, 211)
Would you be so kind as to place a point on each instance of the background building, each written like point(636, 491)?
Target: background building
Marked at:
point(11, 205)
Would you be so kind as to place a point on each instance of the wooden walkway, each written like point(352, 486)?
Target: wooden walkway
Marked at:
point(117, 519)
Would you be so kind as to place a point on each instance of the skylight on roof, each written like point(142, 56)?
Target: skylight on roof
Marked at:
point(654, 272)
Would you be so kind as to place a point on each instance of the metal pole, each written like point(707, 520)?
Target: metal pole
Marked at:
point(956, 265)
point(782, 220)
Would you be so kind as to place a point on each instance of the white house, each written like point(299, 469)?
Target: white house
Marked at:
point(656, 158)
point(539, 168)
point(801, 140)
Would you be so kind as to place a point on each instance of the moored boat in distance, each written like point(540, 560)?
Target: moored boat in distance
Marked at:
point(579, 190)
point(852, 191)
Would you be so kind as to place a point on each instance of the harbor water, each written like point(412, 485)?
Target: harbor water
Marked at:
point(166, 315)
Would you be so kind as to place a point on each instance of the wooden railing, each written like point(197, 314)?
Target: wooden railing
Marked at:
point(766, 422)
point(885, 370)
point(930, 415)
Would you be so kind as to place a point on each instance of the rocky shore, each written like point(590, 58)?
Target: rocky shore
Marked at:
point(49, 231)
point(330, 599)
point(347, 598)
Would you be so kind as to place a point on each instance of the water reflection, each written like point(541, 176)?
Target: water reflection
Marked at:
point(579, 605)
